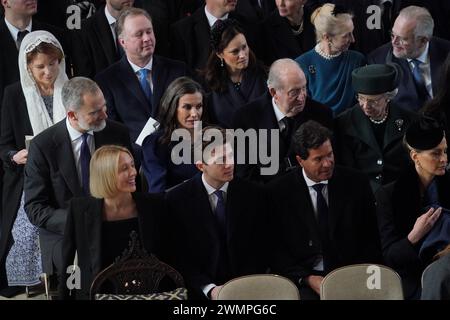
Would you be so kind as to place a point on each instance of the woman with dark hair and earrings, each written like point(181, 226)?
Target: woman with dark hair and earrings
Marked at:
point(232, 73)
point(329, 65)
point(181, 106)
point(409, 207)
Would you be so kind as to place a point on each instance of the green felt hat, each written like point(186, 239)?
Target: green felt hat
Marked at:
point(374, 79)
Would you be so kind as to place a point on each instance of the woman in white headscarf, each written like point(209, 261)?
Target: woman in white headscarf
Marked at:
point(29, 106)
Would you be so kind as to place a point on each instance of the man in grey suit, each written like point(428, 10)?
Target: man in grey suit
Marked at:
point(56, 167)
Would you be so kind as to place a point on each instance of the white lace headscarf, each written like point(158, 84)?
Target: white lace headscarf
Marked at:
point(37, 112)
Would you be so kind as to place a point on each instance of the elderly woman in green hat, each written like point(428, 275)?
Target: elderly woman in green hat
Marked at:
point(369, 135)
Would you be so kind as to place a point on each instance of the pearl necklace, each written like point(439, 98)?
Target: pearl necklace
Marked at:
point(299, 30)
point(325, 55)
point(382, 120)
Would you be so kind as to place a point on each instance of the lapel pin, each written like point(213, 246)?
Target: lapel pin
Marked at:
point(399, 124)
point(312, 69)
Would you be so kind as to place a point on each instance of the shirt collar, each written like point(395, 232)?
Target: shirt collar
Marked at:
point(212, 19)
point(74, 134)
point(424, 56)
point(310, 182)
point(109, 17)
point(14, 31)
point(278, 114)
point(136, 68)
point(210, 190)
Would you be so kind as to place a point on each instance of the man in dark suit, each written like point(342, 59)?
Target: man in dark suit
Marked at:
point(191, 36)
point(56, 170)
point(218, 223)
point(419, 55)
point(134, 85)
point(323, 216)
point(284, 107)
point(96, 42)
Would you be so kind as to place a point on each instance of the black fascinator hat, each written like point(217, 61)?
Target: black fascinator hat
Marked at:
point(217, 30)
point(424, 134)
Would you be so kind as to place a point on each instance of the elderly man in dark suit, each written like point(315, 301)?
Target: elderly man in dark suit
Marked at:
point(190, 36)
point(323, 216)
point(218, 222)
point(418, 53)
point(284, 107)
point(96, 42)
point(57, 168)
point(134, 85)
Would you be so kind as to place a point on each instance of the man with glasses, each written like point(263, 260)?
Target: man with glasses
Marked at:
point(369, 135)
point(285, 106)
point(419, 55)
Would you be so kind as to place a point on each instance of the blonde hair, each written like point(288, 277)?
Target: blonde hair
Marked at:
point(103, 169)
point(325, 22)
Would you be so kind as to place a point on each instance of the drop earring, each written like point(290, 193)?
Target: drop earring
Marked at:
point(221, 62)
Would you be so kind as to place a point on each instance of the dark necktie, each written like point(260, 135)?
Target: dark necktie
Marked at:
point(286, 129)
point(220, 211)
point(322, 214)
point(85, 158)
point(20, 37)
point(419, 81)
point(144, 84)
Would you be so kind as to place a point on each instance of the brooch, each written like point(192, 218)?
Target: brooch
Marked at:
point(399, 124)
point(312, 69)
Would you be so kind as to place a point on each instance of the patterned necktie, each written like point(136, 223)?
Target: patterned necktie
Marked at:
point(143, 73)
point(220, 211)
point(20, 36)
point(419, 81)
point(85, 158)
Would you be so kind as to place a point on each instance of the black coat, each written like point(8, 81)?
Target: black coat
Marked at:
point(83, 234)
point(357, 146)
point(94, 48)
point(407, 96)
point(398, 207)
point(259, 114)
point(352, 223)
point(277, 40)
point(51, 181)
point(196, 236)
point(190, 38)
point(15, 124)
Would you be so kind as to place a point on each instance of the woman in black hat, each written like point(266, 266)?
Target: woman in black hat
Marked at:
point(369, 135)
point(409, 207)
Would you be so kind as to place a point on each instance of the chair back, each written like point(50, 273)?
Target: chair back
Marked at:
point(259, 287)
point(362, 282)
point(136, 272)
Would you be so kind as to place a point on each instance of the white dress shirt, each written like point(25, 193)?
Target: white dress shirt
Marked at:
point(14, 31)
point(148, 66)
point(278, 114)
point(212, 19)
point(112, 24)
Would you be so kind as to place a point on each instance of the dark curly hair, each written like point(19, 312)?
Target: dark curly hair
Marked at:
point(216, 76)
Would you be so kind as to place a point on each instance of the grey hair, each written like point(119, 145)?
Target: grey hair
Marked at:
point(277, 69)
point(425, 22)
point(391, 94)
point(73, 91)
point(129, 12)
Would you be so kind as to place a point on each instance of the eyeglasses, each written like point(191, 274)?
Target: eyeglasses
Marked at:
point(370, 102)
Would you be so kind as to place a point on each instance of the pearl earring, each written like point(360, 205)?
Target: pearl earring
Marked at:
point(221, 62)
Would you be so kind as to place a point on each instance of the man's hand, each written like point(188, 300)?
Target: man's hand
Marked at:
point(215, 292)
point(20, 157)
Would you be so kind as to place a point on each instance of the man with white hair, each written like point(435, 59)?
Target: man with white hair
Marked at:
point(419, 55)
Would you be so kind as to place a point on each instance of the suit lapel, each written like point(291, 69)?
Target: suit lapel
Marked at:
point(202, 32)
point(336, 197)
point(65, 159)
point(131, 82)
point(159, 79)
point(308, 209)
point(105, 37)
point(435, 64)
point(93, 225)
